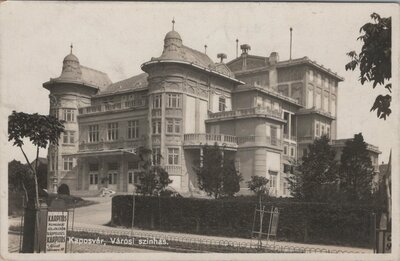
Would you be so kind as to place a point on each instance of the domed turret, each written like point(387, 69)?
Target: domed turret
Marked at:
point(172, 39)
point(71, 68)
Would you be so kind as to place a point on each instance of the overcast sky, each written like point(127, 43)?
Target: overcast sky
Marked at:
point(117, 38)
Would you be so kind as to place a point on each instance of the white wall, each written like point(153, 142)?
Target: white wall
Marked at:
point(190, 110)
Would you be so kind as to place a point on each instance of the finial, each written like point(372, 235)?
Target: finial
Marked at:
point(205, 49)
point(173, 23)
point(71, 47)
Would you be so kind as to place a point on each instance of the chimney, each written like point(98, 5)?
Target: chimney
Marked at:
point(245, 49)
point(273, 73)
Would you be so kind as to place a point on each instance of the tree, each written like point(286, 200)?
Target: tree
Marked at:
point(356, 170)
point(374, 60)
point(20, 178)
point(216, 175)
point(258, 185)
point(40, 130)
point(316, 174)
point(153, 178)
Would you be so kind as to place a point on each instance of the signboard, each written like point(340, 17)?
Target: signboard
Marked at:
point(56, 234)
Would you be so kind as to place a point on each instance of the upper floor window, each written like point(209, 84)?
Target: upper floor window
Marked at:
point(133, 129)
point(69, 115)
point(311, 74)
point(326, 83)
point(317, 129)
point(319, 80)
point(156, 155)
point(292, 151)
point(157, 101)
point(93, 133)
point(328, 132)
point(310, 98)
point(112, 131)
point(173, 156)
point(273, 176)
point(156, 127)
point(221, 104)
point(173, 126)
point(68, 162)
point(318, 99)
point(285, 150)
point(174, 101)
point(326, 102)
point(69, 137)
point(322, 129)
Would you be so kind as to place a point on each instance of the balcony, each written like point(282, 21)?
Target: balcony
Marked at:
point(199, 139)
point(110, 145)
point(173, 169)
point(259, 141)
point(289, 137)
point(244, 113)
point(113, 107)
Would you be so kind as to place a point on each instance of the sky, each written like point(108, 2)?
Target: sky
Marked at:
point(117, 38)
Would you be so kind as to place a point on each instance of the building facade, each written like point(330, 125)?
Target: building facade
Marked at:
point(263, 112)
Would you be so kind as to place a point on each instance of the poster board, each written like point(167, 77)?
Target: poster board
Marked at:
point(56, 232)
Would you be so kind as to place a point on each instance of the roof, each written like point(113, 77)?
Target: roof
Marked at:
point(134, 82)
point(95, 77)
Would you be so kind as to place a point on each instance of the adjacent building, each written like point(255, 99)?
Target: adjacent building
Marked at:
point(263, 112)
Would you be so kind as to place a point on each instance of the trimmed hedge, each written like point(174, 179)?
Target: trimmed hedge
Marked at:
point(298, 221)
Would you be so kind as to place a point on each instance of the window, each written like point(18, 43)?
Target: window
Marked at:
point(173, 126)
point(328, 132)
point(333, 106)
point(318, 99)
point(132, 178)
point(156, 156)
point(112, 131)
point(173, 156)
point(174, 101)
point(133, 165)
point(112, 178)
point(311, 74)
point(322, 129)
point(317, 129)
point(156, 127)
point(285, 150)
point(305, 152)
point(326, 102)
point(68, 162)
point(69, 137)
point(221, 104)
point(93, 167)
point(273, 177)
point(285, 188)
point(326, 83)
point(93, 179)
point(69, 115)
point(310, 98)
point(292, 152)
point(157, 101)
point(93, 133)
point(319, 79)
point(273, 135)
point(133, 129)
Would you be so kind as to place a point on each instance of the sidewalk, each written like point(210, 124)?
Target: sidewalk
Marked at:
point(160, 234)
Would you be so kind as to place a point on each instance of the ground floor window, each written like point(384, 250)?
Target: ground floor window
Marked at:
point(112, 178)
point(93, 179)
point(273, 179)
point(133, 178)
point(68, 162)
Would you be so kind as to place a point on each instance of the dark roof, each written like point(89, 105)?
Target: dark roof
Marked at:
point(95, 77)
point(134, 82)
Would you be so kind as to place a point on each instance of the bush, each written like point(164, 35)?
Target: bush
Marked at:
point(299, 222)
point(63, 189)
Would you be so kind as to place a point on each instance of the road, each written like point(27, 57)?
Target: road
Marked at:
point(97, 214)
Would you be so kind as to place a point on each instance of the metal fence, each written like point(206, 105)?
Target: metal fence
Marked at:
point(188, 243)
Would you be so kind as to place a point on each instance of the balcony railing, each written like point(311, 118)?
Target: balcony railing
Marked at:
point(289, 137)
point(262, 140)
point(113, 107)
point(110, 145)
point(210, 139)
point(275, 114)
point(173, 169)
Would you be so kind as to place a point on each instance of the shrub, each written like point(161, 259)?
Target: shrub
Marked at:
point(233, 217)
point(63, 189)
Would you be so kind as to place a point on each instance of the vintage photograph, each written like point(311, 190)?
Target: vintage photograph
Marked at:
point(190, 130)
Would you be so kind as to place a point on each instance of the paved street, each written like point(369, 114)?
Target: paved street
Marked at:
point(97, 214)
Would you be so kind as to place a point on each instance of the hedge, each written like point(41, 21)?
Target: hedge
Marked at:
point(298, 221)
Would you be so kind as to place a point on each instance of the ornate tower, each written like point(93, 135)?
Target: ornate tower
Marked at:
point(68, 93)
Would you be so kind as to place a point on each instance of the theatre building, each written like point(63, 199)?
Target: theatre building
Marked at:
point(261, 111)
